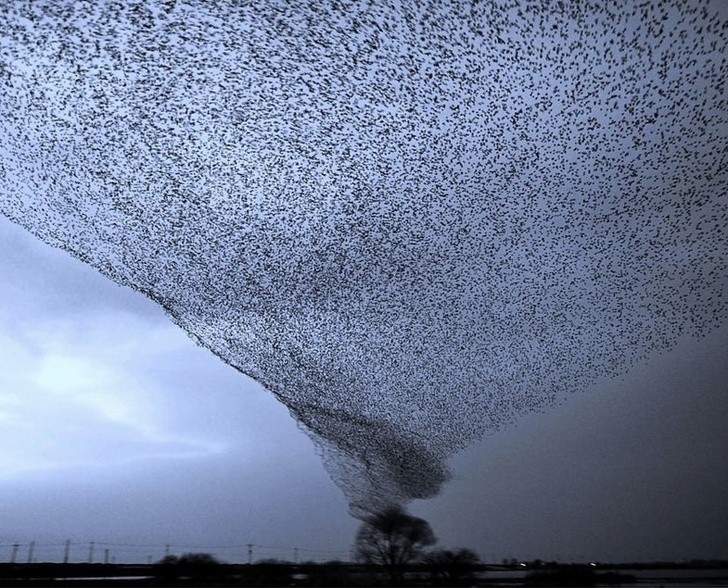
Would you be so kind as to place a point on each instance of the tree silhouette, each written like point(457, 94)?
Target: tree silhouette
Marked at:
point(393, 538)
point(452, 567)
point(192, 565)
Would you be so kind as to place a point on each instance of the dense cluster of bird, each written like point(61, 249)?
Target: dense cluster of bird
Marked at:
point(411, 221)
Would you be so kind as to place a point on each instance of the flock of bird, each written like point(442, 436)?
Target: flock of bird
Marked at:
point(411, 221)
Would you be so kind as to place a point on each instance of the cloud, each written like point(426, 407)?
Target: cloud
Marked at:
point(96, 375)
point(70, 395)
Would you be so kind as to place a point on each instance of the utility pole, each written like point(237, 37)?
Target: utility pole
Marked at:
point(15, 553)
point(91, 552)
point(106, 555)
point(66, 551)
point(250, 553)
point(31, 548)
point(295, 555)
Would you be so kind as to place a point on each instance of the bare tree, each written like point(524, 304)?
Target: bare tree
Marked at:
point(452, 567)
point(192, 565)
point(393, 539)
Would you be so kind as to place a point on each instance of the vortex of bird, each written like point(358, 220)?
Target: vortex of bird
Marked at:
point(411, 221)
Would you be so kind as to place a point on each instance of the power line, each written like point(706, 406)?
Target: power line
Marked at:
point(167, 548)
point(178, 546)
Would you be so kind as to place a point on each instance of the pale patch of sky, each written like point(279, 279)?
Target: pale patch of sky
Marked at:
point(69, 398)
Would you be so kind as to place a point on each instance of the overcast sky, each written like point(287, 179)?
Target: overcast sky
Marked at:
point(116, 428)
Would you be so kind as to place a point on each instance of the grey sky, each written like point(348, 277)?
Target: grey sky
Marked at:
point(414, 225)
point(116, 426)
point(632, 468)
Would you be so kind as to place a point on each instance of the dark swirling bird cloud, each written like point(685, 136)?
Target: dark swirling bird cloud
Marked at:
point(412, 222)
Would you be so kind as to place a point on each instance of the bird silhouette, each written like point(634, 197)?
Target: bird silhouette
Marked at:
point(411, 222)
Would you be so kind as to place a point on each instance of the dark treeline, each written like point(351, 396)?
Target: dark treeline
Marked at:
point(209, 572)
